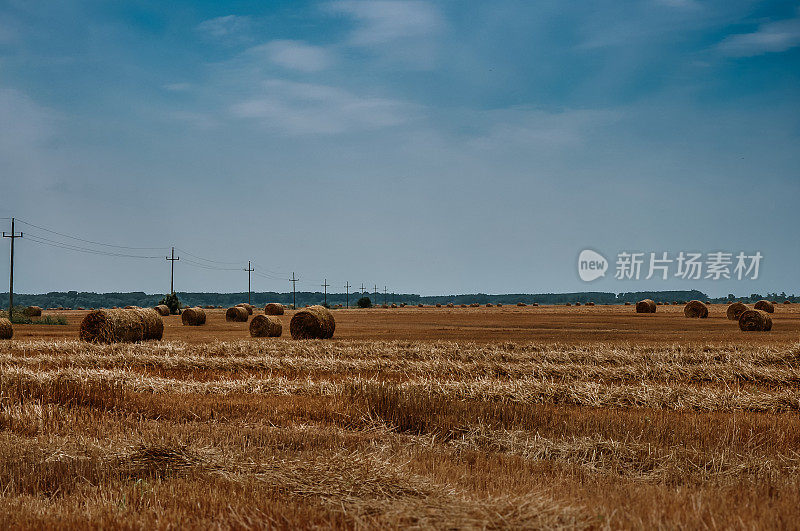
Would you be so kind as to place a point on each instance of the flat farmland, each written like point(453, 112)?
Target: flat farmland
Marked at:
point(476, 418)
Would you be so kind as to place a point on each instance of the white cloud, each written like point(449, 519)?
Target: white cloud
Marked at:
point(772, 37)
point(386, 21)
point(304, 108)
point(225, 27)
point(295, 55)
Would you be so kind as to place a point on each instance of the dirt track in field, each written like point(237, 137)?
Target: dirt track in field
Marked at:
point(560, 324)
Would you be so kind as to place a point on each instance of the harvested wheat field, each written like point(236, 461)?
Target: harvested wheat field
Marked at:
point(511, 417)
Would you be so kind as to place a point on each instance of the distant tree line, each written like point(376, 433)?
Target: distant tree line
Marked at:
point(82, 299)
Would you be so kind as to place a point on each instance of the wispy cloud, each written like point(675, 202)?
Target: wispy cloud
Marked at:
point(230, 26)
point(771, 37)
point(386, 21)
point(295, 55)
point(304, 108)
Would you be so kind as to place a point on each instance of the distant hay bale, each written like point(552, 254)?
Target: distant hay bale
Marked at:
point(274, 308)
point(577, 304)
point(463, 305)
point(162, 309)
point(438, 305)
point(589, 304)
point(450, 305)
point(382, 306)
point(646, 306)
point(193, 317)
point(247, 307)
point(420, 305)
point(755, 321)
point(33, 311)
point(521, 304)
point(535, 304)
point(627, 303)
point(112, 326)
point(265, 326)
point(153, 325)
point(394, 305)
point(314, 322)
point(6, 330)
point(735, 310)
point(568, 304)
point(402, 305)
point(499, 305)
point(764, 306)
point(695, 309)
point(787, 302)
point(489, 304)
point(237, 314)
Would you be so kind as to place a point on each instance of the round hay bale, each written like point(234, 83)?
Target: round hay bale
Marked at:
point(275, 308)
point(521, 304)
point(568, 304)
point(420, 305)
point(627, 303)
point(489, 305)
point(382, 306)
point(314, 322)
point(265, 326)
point(153, 326)
point(787, 302)
point(438, 305)
point(394, 305)
point(162, 309)
point(535, 304)
point(695, 309)
point(589, 304)
point(237, 314)
point(463, 305)
point(450, 305)
point(577, 304)
point(33, 311)
point(6, 330)
point(499, 305)
point(112, 326)
point(193, 317)
point(764, 306)
point(247, 307)
point(646, 306)
point(755, 321)
point(735, 310)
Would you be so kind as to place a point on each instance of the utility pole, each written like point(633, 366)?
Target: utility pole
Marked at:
point(13, 237)
point(363, 288)
point(172, 271)
point(347, 295)
point(249, 270)
point(325, 287)
point(294, 280)
point(384, 295)
point(376, 293)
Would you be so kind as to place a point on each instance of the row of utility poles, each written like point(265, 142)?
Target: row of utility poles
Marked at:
point(172, 259)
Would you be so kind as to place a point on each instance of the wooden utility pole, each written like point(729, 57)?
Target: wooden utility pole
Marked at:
point(347, 295)
point(249, 270)
point(384, 295)
point(325, 287)
point(363, 288)
point(13, 237)
point(172, 271)
point(294, 280)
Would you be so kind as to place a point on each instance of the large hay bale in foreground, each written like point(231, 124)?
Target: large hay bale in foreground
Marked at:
point(265, 326)
point(695, 309)
point(193, 317)
point(162, 309)
point(32, 311)
point(314, 322)
point(153, 326)
point(755, 321)
point(764, 306)
point(247, 307)
point(735, 310)
point(275, 308)
point(646, 306)
point(112, 326)
point(237, 314)
point(6, 330)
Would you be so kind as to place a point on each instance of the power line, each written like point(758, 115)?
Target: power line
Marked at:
point(70, 247)
point(184, 251)
point(90, 241)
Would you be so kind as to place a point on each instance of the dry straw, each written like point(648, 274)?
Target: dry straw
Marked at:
point(247, 307)
point(6, 330)
point(764, 306)
point(112, 326)
point(153, 325)
point(193, 317)
point(237, 314)
point(695, 309)
point(755, 321)
point(274, 308)
point(314, 322)
point(162, 310)
point(735, 310)
point(646, 306)
point(265, 326)
point(33, 311)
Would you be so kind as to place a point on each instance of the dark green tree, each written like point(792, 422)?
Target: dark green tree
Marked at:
point(172, 303)
point(364, 302)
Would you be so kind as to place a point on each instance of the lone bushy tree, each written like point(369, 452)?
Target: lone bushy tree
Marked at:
point(364, 302)
point(172, 302)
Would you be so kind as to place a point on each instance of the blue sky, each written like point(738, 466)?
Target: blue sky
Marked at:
point(432, 147)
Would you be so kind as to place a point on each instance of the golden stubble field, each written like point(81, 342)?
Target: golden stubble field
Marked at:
point(580, 417)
